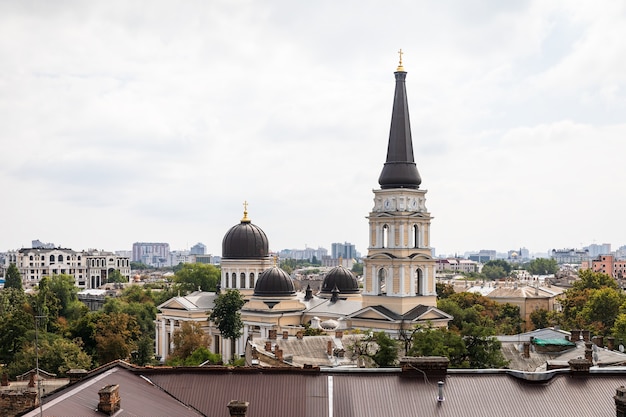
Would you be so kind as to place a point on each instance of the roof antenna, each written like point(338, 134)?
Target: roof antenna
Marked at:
point(440, 397)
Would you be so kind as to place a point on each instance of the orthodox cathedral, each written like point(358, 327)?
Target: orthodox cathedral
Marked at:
point(398, 273)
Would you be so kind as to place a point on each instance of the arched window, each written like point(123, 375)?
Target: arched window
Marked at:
point(52, 259)
point(242, 280)
point(419, 281)
point(31, 257)
point(415, 236)
point(382, 285)
point(385, 236)
point(234, 280)
point(251, 279)
point(226, 279)
point(60, 258)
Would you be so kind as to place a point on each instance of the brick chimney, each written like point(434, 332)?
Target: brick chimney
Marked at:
point(300, 335)
point(268, 346)
point(338, 334)
point(589, 351)
point(272, 334)
point(279, 354)
point(575, 336)
point(610, 343)
point(526, 353)
point(5, 379)
point(285, 334)
point(435, 368)
point(238, 408)
point(109, 399)
point(598, 341)
point(329, 348)
point(579, 367)
point(586, 335)
point(620, 402)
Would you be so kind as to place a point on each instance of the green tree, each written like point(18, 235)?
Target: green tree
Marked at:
point(444, 290)
point(13, 278)
point(542, 266)
point(116, 276)
point(431, 341)
point(483, 349)
point(56, 355)
point(16, 320)
point(226, 314)
point(387, 353)
point(116, 336)
point(501, 263)
point(188, 338)
point(493, 271)
point(144, 354)
point(357, 268)
point(46, 304)
point(192, 277)
point(540, 318)
point(64, 289)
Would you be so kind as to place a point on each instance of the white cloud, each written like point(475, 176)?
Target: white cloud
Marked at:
point(153, 121)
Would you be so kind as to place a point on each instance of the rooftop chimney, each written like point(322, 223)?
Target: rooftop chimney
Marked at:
point(285, 334)
point(109, 399)
point(433, 368)
point(238, 408)
point(579, 367)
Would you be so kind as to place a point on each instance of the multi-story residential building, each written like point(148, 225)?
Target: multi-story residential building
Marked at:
point(595, 250)
point(90, 268)
point(306, 253)
point(343, 250)
point(570, 256)
point(152, 254)
point(606, 264)
point(457, 265)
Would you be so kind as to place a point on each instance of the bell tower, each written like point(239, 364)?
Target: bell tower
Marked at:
point(399, 270)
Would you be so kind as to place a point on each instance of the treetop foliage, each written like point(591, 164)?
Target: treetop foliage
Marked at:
point(226, 314)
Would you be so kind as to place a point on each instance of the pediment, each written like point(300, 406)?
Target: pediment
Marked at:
point(372, 313)
point(431, 314)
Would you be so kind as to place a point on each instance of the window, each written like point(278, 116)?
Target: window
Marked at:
point(415, 237)
point(234, 280)
point(418, 282)
point(252, 280)
point(242, 280)
point(60, 258)
point(382, 285)
point(385, 236)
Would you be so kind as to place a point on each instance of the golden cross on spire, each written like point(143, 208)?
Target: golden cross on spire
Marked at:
point(400, 67)
point(245, 212)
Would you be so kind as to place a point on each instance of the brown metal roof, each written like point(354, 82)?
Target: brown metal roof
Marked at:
point(138, 398)
point(288, 392)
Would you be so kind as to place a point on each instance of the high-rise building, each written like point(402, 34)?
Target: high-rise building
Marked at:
point(198, 249)
point(152, 254)
point(343, 250)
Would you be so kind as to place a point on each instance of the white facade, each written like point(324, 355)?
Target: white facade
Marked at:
point(90, 268)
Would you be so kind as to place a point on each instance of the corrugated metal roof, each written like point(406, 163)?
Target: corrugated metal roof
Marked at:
point(269, 394)
point(287, 392)
point(138, 398)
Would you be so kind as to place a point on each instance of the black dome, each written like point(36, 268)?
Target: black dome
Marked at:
point(341, 277)
point(274, 282)
point(245, 241)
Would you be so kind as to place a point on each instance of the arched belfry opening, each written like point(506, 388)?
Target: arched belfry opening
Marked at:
point(419, 282)
point(382, 281)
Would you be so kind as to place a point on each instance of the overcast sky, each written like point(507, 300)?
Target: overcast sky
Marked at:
point(126, 121)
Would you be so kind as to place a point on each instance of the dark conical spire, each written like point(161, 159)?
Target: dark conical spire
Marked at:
point(400, 170)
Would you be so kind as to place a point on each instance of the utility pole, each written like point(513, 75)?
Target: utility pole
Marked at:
point(37, 363)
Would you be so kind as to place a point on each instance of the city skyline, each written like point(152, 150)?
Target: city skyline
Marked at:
point(148, 122)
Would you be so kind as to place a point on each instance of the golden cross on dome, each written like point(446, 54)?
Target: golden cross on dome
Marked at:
point(245, 212)
point(400, 67)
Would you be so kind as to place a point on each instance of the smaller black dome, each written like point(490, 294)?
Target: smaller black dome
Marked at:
point(341, 277)
point(274, 282)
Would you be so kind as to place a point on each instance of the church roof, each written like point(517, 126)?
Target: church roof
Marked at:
point(400, 170)
point(274, 282)
point(245, 241)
